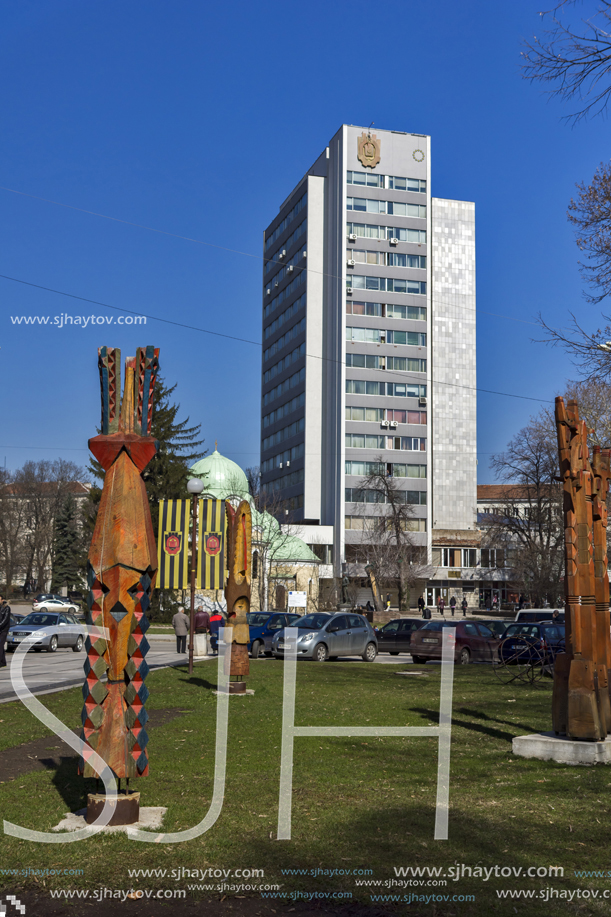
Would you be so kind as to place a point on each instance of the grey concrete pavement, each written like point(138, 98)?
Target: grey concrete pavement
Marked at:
point(46, 672)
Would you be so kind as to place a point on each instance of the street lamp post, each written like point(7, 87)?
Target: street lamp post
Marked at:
point(195, 487)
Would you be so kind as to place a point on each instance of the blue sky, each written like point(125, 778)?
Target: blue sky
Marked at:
point(197, 118)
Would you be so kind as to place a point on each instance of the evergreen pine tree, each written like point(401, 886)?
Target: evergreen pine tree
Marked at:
point(67, 563)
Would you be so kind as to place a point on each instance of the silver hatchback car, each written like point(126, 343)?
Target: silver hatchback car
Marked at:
point(324, 636)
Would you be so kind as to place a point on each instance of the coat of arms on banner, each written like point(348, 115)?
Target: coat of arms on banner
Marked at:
point(212, 543)
point(172, 542)
point(369, 149)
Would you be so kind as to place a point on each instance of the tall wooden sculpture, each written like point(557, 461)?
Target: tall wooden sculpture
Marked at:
point(237, 592)
point(122, 566)
point(581, 705)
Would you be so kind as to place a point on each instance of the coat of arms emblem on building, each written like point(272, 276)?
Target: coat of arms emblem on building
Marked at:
point(369, 149)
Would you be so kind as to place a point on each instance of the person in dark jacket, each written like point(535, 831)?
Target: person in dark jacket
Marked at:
point(421, 605)
point(453, 605)
point(216, 622)
point(202, 621)
point(5, 623)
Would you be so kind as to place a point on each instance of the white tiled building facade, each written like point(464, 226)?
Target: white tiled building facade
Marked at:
point(369, 344)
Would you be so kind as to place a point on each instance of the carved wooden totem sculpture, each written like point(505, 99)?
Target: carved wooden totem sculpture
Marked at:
point(581, 706)
point(237, 592)
point(121, 569)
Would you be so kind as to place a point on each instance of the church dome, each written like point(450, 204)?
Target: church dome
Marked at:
point(222, 477)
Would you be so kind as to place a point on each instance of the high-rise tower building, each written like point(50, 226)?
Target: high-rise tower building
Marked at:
point(369, 346)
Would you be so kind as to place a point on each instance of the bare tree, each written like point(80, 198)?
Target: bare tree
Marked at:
point(12, 531)
point(590, 353)
point(388, 547)
point(527, 522)
point(574, 60)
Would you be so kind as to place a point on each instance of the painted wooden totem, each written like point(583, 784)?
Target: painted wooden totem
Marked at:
point(581, 706)
point(122, 567)
point(237, 592)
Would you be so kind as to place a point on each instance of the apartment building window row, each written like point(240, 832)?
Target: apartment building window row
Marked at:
point(493, 557)
point(371, 441)
point(377, 523)
point(284, 387)
point(392, 182)
point(396, 364)
point(385, 336)
point(283, 318)
point(394, 469)
point(387, 389)
point(364, 495)
point(284, 363)
point(269, 241)
point(292, 430)
point(385, 284)
point(378, 415)
point(289, 480)
point(387, 259)
point(286, 291)
point(383, 310)
point(277, 257)
point(285, 339)
point(391, 208)
point(282, 459)
point(297, 263)
point(458, 557)
point(284, 410)
point(293, 503)
point(371, 231)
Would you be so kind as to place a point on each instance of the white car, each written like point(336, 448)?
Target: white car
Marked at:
point(48, 602)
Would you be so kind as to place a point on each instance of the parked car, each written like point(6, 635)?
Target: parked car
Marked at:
point(15, 618)
point(497, 626)
point(263, 626)
point(395, 637)
point(49, 602)
point(51, 630)
point(539, 614)
point(475, 642)
point(324, 636)
point(531, 642)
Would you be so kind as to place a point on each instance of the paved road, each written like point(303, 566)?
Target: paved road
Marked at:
point(45, 672)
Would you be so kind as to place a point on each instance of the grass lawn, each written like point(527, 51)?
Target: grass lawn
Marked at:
point(357, 803)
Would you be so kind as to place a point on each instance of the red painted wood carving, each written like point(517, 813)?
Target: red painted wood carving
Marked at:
point(581, 707)
point(122, 567)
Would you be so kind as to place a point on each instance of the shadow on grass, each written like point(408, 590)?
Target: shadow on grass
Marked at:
point(433, 716)
point(200, 683)
point(494, 719)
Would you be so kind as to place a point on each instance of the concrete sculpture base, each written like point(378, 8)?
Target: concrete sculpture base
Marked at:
point(200, 644)
point(547, 746)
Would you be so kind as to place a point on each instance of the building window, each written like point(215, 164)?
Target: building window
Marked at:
point(269, 240)
point(283, 387)
point(458, 557)
point(374, 309)
point(386, 284)
point(283, 318)
point(283, 364)
point(403, 312)
point(286, 338)
point(393, 182)
point(289, 480)
point(397, 183)
point(368, 441)
point(392, 208)
point(373, 523)
point(275, 259)
point(279, 461)
point(381, 310)
point(286, 432)
point(360, 495)
point(255, 564)
point(377, 415)
point(284, 410)
point(371, 179)
point(384, 336)
point(369, 231)
point(493, 557)
point(361, 469)
point(287, 291)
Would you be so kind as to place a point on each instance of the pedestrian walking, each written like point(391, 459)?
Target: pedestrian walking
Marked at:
point(464, 606)
point(180, 623)
point(421, 605)
point(453, 605)
point(441, 605)
point(5, 623)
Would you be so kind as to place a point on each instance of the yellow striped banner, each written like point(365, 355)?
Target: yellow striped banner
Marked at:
point(173, 544)
point(211, 549)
